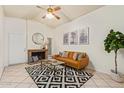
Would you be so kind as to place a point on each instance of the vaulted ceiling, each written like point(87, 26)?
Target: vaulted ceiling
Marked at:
point(66, 14)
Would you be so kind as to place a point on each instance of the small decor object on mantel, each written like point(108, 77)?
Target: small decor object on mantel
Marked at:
point(113, 42)
point(45, 44)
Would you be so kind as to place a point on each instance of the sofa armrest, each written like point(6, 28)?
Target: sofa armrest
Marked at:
point(84, 61)
point(56, 55)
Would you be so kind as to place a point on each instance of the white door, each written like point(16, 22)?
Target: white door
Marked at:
point(17, 46)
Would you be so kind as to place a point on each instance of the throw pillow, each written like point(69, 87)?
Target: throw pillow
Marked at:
point(66, 54)
point(80, 56)
point(63, 54)
point(75, 56)
point(70, 55)
point(35, 58)
point(60, 53)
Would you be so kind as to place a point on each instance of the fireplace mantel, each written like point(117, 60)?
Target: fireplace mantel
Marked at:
point(35, 50)
point(42, 51)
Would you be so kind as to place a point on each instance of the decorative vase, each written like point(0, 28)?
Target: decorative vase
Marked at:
point(116, 77)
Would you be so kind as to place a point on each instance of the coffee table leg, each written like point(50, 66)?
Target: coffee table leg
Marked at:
point(65, 68)
point(54, 71)
point(41, 64)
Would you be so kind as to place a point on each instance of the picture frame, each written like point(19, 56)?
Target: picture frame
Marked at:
point(73, 38)
point(66, 39)
point(84, 36)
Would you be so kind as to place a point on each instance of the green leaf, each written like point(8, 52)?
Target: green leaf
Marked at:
point(114, 41)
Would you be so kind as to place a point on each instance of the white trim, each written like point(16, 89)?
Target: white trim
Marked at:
point(1, 72)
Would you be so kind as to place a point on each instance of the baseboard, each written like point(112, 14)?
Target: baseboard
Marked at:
point(1, 72)
point(98, 70)
point(17, 64)
point(90, 68)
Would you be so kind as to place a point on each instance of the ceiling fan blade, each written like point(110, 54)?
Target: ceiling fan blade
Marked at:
point(40, 7)
point(44, 16)
point(57, 17)
point(56, 8)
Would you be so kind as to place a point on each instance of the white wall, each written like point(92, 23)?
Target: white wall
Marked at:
point(36, 27)
point(16, 25)
point(1, 40)
point(99, 23)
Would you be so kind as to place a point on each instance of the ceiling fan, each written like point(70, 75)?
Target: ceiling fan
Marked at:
point(50, 12)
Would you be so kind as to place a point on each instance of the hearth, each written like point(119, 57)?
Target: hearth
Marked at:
point(36, 54)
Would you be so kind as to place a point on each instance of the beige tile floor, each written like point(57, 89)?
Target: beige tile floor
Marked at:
point(16, 77)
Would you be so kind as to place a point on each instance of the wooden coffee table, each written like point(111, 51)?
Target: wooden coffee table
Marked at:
point(55, 64)
point(43, 60)
point(52, 62)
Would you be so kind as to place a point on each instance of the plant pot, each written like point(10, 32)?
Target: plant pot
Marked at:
point(116, 77)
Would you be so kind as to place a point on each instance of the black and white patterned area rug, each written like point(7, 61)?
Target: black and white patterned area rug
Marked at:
point(65, 77)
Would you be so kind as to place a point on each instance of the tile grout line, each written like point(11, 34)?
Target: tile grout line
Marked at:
point(95, 83)
point(106, 81)
point(21, 81)
point(96, 79)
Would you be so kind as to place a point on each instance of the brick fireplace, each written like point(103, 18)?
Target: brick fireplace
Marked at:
point(37, 54)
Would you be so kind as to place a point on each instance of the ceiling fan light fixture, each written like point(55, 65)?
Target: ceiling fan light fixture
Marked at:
point(49, 16)
point(50, 12)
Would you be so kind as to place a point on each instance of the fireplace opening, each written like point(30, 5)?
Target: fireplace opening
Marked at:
point(35, 55)
point(40, 55)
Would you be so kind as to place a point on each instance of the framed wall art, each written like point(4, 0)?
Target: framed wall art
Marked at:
point(84, 36)
point(73, 38)
point(66, 39)
point(77, 37)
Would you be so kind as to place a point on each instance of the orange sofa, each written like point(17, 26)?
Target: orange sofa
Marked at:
point(69, 61)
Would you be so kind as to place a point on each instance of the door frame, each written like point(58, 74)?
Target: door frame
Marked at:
point(9, 46)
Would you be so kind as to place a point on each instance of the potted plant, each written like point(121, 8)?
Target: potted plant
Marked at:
point(113, 42)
